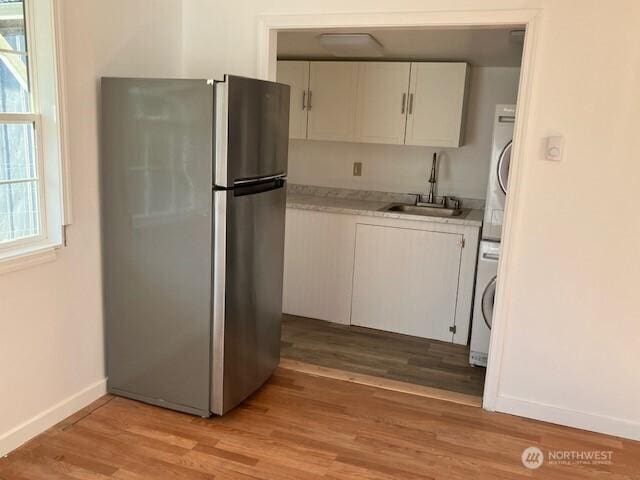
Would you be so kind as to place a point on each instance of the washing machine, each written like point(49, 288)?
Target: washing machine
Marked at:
point(503, 124)
point(486, 275)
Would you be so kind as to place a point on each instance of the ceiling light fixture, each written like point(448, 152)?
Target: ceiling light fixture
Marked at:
point(351, 45)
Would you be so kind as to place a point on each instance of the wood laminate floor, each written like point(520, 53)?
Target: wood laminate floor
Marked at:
point(391, 356)
point(300, 427)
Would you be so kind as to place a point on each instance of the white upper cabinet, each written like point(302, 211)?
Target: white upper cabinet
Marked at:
point(332, 101)
point(436, 104)
point(420, 103)
point(296, 75)
point(382, 102)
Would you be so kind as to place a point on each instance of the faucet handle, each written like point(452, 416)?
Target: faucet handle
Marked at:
point(457, 203)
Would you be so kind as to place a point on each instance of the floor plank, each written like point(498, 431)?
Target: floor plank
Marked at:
point(302, 427)
point(374, 353)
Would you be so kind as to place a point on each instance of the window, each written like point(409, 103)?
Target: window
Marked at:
point(20, 188)
point(31, 166)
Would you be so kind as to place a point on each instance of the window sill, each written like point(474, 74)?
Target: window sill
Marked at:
point(28, 256)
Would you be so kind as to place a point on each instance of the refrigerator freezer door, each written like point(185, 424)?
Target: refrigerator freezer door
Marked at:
point(252, 130)
point(156, 213)
point(248, 269)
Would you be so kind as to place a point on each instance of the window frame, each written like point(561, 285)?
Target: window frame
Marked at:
point(43, 44)
point(35, 120)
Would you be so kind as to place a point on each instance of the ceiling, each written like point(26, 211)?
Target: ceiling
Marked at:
point(488, 47)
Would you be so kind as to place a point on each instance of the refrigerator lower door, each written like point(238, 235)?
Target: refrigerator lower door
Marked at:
point(247, 306)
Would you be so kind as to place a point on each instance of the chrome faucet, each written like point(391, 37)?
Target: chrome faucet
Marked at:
point(433, 181)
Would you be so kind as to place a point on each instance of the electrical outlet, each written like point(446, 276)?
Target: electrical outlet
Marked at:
point(357, 169)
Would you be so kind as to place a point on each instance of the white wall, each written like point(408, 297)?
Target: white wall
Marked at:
point(574, 318)
point(51, 333)
point(404, 169)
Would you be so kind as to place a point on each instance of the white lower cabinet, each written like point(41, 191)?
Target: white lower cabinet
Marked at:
point(318, 265)
point(406, 281)
point(406, 276)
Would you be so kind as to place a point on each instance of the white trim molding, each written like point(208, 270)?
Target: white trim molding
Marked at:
point(583, 420)
point(27, 257)
point(63, 148)
point(513, 210)
point(17, 436)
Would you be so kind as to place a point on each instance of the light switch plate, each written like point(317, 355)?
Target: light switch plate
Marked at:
point(357, 169)
point(555, 147)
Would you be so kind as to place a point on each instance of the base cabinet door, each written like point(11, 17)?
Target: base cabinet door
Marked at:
point(406, 281)
point(318, 265)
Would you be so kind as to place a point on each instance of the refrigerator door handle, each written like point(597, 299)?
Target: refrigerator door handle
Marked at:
point(258, 187)
point(247, 181)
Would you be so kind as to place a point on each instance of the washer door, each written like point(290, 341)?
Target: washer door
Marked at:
point(487, 301)
point(503, 167)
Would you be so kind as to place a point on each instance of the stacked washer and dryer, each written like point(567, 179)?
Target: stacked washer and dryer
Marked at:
point(489, 253)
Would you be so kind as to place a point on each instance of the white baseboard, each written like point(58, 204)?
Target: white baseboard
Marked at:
point(22, 433)
point(571, 418)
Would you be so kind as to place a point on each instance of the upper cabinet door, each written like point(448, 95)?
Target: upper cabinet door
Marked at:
point(296, 75)
point(382, 102)
point(436, 104)
point(332, 100)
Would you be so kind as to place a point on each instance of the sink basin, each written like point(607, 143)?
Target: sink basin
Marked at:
point(426, 211)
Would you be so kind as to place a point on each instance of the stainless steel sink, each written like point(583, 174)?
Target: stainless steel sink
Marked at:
point(426, 211)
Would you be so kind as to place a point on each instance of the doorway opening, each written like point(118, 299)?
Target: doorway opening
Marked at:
point(376, 292)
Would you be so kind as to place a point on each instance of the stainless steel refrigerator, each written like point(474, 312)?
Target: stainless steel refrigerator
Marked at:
point(193, 204)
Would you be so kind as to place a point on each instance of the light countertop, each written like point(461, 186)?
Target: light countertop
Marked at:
point(372, 208)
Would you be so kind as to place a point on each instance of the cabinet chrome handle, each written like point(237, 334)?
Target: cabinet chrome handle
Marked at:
point(404, 101)
point(410, 103)
point(309, 101)
point(491, 256)
point(304, 99)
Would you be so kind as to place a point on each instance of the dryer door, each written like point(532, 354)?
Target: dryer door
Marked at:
point(503, 167)
point(487, 301)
